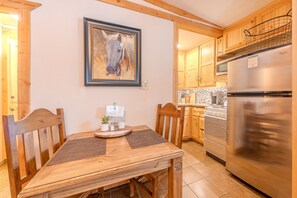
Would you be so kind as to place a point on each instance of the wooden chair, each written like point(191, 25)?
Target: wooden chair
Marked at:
point(169, 124)
point(30, 143)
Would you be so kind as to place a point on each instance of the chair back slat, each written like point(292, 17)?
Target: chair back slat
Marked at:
point(43, 145)
point(29, 144)
point(172, 129)
point(167, 127)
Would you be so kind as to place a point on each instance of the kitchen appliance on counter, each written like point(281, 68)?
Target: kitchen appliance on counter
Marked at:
point(215, 129)
point(259, 136)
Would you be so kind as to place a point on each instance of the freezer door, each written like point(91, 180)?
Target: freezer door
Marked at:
point(266, 71)
point(259, 145)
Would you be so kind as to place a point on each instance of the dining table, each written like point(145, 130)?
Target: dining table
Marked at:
point(85, 162)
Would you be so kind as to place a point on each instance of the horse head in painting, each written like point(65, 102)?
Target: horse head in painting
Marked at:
point(117, 54)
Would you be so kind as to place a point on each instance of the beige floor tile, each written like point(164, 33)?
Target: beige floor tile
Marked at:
point(204, 169)
point(241, 193)
point(223, 182)
point(190, 159)
point(188, 193)
point(203, 189)
point(190, 175)
point(184, 183)
point(4, 182)
point(185, 164)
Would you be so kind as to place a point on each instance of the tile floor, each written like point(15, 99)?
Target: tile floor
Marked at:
point(203, 177)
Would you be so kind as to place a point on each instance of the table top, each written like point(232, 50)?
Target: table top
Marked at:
point(119, 162)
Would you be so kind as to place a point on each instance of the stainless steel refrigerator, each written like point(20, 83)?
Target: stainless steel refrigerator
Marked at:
point(259, 136)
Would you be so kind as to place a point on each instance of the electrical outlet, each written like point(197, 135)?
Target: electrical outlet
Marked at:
point(144, 85)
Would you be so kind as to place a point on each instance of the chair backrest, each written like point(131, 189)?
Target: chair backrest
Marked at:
point(170, 122)
point(30, 142)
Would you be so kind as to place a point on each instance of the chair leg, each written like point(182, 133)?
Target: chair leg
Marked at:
point(132, 188)
point(155, 184)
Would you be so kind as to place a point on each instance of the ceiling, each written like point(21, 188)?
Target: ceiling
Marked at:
point(188, 40)
point(220, 12)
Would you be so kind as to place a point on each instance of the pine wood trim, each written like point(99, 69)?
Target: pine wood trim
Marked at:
point(19, 4)
point(180, 12)
point(204, 29)
point(294, 108)
point(175, 64)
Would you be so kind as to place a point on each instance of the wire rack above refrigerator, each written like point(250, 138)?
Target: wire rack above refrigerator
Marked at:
point(274, 32)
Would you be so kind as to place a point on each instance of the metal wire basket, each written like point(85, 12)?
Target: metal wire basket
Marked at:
point(271, 33)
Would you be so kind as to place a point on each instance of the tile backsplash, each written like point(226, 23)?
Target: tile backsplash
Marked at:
point(202, 95)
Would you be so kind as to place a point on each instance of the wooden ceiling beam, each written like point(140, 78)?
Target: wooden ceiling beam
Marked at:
point(19, 4)
point(199, 27)
point(180, 12)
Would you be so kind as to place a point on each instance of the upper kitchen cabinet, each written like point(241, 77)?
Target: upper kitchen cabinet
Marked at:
point(192, 68)
point(181, 70)
point(207, 61)
point(234, 37)
point(278, 8)
point(220, 46)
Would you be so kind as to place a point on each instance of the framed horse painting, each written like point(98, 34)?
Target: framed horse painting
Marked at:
point(112, 54)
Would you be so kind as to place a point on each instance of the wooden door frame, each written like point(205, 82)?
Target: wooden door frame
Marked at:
point(176, 27)
point(23, 9)
point(294, 105)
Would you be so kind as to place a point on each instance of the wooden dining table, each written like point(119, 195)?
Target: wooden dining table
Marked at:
point(85, 162)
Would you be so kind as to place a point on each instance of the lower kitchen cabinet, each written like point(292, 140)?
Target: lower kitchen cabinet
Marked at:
point(187, 124)
point(194, 124)
point(195, 127)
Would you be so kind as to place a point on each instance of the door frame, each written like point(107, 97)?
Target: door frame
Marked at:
point(294, 105)
point(23, 9)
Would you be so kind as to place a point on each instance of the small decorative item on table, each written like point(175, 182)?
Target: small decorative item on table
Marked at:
point(104, 123)
point(116, 122)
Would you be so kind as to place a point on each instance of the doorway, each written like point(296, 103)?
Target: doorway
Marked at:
point(9, 71)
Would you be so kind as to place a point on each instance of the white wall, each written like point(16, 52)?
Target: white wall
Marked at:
point(57, 64)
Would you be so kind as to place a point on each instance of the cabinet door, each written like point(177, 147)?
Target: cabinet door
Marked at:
point(220, 46)
point(187, 128)
point(192, 68)
point(234, 36)
point(278, 9)
point(207, 64)
point(195, 128)
point(201, 129)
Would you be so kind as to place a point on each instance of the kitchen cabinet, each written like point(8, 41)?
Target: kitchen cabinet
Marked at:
point(198, 124)
point(195, 127)
point(220, 46)
point(207, 63)
point(187, 125)
point(234, 37)
point(181, 70)
point(192, 68)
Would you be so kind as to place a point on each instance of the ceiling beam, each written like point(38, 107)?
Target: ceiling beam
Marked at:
point(199, 27)
point(19, 4)
point(180, 12)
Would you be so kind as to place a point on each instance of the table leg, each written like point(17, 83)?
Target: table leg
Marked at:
point(175, 178)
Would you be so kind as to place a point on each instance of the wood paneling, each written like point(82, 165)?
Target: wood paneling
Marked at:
point(204, 29)
point(180, 12)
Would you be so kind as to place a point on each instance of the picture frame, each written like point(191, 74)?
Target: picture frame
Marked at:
point(112, 54)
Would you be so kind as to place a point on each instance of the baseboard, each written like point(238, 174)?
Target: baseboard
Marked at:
point(2, 162)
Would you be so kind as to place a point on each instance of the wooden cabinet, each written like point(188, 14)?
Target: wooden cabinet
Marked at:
point(220, 46)
point(198, 124)
point(234, 37)
point(201, 128)
point(192, 68)
point(195, 127)
point(207, 64)
point(187, 124)
point(181, 70)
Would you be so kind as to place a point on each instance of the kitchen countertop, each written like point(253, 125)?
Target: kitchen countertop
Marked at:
point(194, 104)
